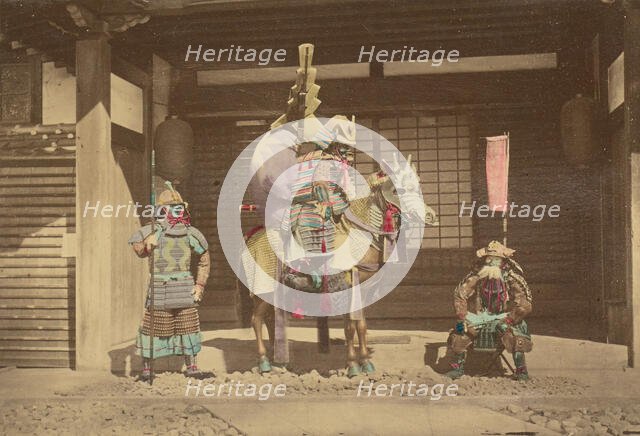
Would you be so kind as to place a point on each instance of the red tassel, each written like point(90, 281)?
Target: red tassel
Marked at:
point(389, 225)
point(298, 313)
point(324, 246)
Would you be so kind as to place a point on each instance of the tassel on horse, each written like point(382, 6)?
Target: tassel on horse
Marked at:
point(389, 223)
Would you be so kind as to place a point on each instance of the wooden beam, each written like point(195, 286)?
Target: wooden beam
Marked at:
point(132, 73)
point(215, 28)
point(127, 138)
point(365, 94)
point(487, 64)
point(451, 33)
point(415, 109)
point(94, 162)
point(279, 74)
point(333, 51)
point(632, 149)
point(192, 7)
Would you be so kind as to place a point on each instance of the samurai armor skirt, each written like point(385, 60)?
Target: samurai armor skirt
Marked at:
point(176, 333)
point(172, 292)
point(487, 337)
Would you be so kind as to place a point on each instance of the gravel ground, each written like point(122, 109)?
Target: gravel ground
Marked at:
point(584, 421)
point(534, 387)
point(122, 405)
point(334, 383)
point(46, 417)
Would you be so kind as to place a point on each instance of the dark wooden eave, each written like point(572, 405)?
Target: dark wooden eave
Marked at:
point(337, 27)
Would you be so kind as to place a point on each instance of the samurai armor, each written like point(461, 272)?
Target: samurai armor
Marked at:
point(172, 293)
point(486, 337)
point(312, 238)
point(173, 282)
point(172, 322)
point(316, 166)
point(176, 332)
point(459, 343)
point(483, 325)
point(515, 343)
point(173, 253)
point(517, 338)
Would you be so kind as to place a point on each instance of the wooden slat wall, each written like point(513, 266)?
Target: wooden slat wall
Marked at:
point(558, 254)
point(36, 284)
point(216, 147)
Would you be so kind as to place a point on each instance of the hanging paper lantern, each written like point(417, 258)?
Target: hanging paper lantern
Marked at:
point(174, 149)
point(579, 130)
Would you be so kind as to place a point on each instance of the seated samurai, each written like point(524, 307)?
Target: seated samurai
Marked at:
point(502, 301)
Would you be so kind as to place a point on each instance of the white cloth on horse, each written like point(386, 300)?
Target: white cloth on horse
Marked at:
point(274, 154)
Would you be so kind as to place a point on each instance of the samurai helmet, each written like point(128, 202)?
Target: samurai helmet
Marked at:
point(170, 197)
point(496, 249)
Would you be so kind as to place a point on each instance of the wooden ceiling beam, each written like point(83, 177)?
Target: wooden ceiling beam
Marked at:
point(479, 88)
point(193, 7)
point(369, 22)
point(366, 34)
point(342, 15)
point(449, 40)
point(332, 52)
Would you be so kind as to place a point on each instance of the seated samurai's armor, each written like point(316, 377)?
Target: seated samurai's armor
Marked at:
point(502, 301)
point(175, 292)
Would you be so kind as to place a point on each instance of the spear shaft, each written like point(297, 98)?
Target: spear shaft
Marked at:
point(152, 267)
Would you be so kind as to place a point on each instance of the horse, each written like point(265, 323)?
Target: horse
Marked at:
point(378, 214)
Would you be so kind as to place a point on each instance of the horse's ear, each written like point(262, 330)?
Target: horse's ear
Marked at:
point(386, 167)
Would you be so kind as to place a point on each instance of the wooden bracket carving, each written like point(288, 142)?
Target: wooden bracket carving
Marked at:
point(84, 18)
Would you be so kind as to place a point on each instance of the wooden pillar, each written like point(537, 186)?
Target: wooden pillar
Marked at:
point(94, 165)
point(161, 73)
point(632, 149)
point(161, 90)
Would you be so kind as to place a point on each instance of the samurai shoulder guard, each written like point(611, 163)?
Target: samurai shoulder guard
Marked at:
point(140, 234)
point(197, 240)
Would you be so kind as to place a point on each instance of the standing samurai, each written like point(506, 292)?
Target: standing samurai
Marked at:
point(502, 299)
point(176, 292)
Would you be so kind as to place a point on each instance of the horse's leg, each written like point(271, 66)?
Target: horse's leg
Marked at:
point(353, 368)
point(260, 309)
point(270, 320)
point(365, 363)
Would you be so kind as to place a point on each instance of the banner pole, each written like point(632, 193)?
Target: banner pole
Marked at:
point(505, 217)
